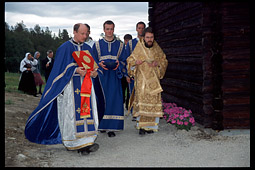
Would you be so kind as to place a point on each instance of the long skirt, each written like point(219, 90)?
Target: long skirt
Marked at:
point(27, 83)
point(38, 79)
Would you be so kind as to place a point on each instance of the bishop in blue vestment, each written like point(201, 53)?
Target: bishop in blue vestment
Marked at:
point(56, 119)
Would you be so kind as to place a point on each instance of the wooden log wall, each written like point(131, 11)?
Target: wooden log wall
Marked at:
point(205, 73)
point(236, 64)
point(177, 28)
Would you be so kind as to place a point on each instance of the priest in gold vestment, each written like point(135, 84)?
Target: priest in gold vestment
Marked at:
point(147, 64)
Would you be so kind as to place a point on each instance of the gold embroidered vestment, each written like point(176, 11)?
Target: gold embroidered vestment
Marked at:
point(146, 96)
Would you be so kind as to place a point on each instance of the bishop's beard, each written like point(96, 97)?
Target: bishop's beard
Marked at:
point(147, 45)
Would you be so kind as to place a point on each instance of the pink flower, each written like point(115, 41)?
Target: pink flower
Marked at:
point(178, 122)
point(186, 114)
point(192, 120)
point(186, 123)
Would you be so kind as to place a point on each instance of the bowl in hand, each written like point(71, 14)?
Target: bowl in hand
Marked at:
point(110, 64)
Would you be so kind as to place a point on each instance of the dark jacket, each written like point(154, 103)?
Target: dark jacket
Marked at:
point(47, 70)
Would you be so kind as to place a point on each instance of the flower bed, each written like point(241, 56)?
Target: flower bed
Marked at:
point(178, 116)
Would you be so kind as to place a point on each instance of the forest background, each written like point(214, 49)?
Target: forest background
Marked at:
point(19, 40)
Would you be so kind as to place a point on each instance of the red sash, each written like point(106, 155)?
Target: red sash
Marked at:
point(85, 60)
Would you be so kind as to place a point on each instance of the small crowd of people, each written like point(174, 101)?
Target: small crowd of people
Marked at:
point(85, 91)
point(30, 72)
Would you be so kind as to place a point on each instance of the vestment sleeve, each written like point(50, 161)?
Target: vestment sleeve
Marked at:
point(131, 66)
point(163, 62)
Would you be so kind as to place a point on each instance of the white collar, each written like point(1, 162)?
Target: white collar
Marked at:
point(49, 58)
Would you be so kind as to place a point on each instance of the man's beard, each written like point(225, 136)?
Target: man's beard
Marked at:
point(147, 45)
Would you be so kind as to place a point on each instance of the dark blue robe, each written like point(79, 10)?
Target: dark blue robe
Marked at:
point(113, 119)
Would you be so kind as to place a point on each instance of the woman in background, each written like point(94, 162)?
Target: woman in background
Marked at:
point(27, 83)
point(36, 71)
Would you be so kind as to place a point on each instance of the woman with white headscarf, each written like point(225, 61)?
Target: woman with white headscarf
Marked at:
point(36, 71)
point(27, 83)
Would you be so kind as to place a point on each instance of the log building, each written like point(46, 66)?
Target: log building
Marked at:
point(208, 49)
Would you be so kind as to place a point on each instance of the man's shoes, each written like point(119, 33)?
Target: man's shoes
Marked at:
point(86, 150)
point(111, 134)
point(149, 131)
point(141, 132)
point(102, 131)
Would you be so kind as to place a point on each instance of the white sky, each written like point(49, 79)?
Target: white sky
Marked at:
point(63, 15)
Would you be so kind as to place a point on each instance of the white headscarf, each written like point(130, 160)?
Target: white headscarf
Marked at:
point(27, 54)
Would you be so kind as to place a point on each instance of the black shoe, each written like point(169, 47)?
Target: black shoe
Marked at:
point(133, 118)
point(142, 132)
point(102, 131)
point(83, 151)
point(149, 131)
point(35, 95)
point(111, 134)
point(91, 148)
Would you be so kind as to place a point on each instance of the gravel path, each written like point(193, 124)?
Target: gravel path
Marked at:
point(167, 148)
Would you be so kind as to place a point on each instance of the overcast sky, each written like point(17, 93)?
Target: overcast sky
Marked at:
point(63, 15)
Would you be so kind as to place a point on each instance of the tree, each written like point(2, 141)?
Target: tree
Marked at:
point(19, 40)
point(64, 35)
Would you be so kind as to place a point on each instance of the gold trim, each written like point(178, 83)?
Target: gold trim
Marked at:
point(80, 122)
point(108, 57)
point(79, 147)
point(120, 49)
point(85, 116)
point(69, 65)
point(90, 122)
point(113, 117)
point(155, 130)
point(98, 50)
point(86, 134)
point(59, 76)
point(142, 124)
point(146, 104)
point(85, 95)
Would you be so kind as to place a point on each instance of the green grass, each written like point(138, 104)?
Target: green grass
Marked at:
point(12, 82)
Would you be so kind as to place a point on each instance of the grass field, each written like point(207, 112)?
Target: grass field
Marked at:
point(12, 82)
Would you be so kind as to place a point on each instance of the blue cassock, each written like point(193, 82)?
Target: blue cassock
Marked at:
point(129, 49)
point(42, 125)
point(113, 119)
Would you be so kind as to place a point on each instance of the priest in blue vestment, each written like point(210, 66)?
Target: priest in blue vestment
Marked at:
point(57, 118)
point(110, 56)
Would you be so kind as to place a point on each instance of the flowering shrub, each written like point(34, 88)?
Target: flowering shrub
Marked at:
point(178, 116)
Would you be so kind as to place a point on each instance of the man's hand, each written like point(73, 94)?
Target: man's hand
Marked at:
point(93, 73)
point(81, 71)
point(138, 62)
point(118, 63)
point(153, 64)
point(128, 79)
point(102, 65)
